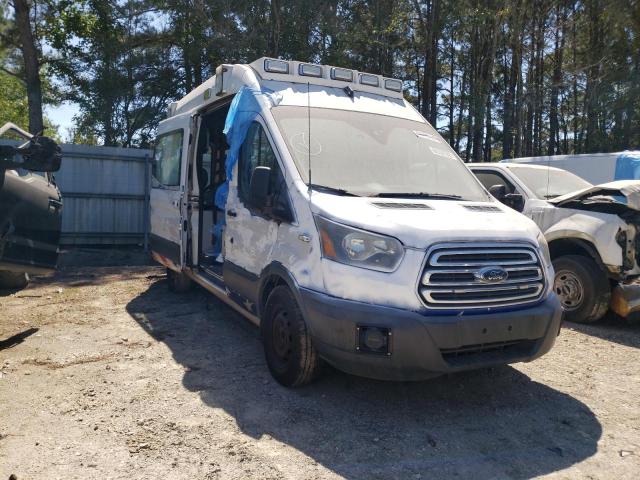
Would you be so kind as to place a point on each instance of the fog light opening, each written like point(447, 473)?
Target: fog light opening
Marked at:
point(375, 340)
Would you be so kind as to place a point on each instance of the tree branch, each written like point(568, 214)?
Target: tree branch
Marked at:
point(13, 74)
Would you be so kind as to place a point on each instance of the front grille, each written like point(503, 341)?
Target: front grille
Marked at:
point(458, 276)
point(485, 352)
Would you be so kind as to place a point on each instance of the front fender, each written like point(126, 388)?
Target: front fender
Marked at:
point(598, 229)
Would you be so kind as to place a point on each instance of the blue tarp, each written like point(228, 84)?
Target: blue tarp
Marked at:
point(246, 105)
point(628, 166)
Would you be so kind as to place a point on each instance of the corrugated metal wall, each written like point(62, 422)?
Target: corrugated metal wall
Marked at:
point(105, 192)
point(105, 195)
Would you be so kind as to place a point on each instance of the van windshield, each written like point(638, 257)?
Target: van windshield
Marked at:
point(368, 154)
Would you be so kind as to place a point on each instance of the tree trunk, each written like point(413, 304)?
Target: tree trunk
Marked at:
point(520, 103)
point(486, 43)
point(488, 132)
point(431, 29)
point(452, 66)
point(31, 57)
point(274, 47)
point(538, 105)
point(463, 106)
point(592, 111)
point(556, 81)
point(433, 55)
point(513, 80)
point(530, 102)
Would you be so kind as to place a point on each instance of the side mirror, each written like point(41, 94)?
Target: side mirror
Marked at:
point(259, 188)
point(515, 201)
point(498, 191)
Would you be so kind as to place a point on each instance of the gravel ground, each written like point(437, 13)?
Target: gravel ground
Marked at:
point(105, 374)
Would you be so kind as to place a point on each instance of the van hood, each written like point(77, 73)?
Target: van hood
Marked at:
point(420, 223)
point(618, 193)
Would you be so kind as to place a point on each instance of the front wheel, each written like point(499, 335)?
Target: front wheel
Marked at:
point(583, 288)
point(292, 359)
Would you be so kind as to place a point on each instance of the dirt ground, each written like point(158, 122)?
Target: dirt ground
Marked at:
point(104, 374)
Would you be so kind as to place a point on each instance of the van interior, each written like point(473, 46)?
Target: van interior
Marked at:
point(211, 154)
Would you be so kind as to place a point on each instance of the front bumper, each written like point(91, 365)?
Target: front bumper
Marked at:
point(625, 298)
point(423, 345)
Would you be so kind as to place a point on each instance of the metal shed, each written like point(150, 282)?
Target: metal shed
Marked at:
point(105, 193)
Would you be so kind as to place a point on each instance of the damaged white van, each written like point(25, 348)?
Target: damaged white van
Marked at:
point(320, 205)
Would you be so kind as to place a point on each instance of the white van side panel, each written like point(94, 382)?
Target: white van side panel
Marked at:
point(248, 238)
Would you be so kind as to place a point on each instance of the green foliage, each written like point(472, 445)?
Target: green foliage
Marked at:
point(13, 101)
point(13, 105)
point(512, 78)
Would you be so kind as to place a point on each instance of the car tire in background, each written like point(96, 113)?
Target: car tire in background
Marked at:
point(13, 280)
point(178, 282)
point(582, 287)
point(291, 357)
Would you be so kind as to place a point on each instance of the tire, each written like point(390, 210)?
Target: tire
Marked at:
point(13, 280)
point(582, 287)
point(178, 282)
point(291, 357)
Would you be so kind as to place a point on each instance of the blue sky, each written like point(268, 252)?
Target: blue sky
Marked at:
point(62, 115)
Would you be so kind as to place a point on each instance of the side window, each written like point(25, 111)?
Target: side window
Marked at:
point(166, 159)
point(489, 179)
point(256, 151)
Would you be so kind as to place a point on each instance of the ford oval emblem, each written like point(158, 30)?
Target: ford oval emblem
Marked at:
point(491, 275)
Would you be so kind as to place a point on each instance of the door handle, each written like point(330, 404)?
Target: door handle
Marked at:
point(232, 213)
point(54, 204)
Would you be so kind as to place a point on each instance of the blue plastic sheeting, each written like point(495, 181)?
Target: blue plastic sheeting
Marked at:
point(628, 166)
point(245, 107)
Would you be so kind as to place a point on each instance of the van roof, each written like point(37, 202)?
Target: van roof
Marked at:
point(229, 78)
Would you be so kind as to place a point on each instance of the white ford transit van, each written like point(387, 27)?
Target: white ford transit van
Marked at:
point(320, 205)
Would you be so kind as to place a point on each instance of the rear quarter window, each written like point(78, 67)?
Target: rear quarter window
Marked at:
point(167, 156)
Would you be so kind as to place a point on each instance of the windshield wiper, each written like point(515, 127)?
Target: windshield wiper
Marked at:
point(334, 190)
point(437, 196)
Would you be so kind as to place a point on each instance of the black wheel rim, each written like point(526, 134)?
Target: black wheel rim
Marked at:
point(282, 338)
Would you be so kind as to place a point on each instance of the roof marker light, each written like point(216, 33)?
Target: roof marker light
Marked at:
point(276, 66)
point(342, 74)
point(309, 70)
point(368, 79)
point(393, 84)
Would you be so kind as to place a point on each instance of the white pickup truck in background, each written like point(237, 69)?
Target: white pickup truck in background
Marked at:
point(592, 231)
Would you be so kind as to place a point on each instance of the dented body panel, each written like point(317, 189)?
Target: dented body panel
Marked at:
point(598, 229)
point(602, 219)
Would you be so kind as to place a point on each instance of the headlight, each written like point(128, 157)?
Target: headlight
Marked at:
point(544, 248)
point(358, 247)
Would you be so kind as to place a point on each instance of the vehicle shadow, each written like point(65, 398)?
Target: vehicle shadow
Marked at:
point(611, 328)
point(7, 292)
point(485, 424)
point(17, 339)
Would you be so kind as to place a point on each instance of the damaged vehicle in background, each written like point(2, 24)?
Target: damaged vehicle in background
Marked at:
point(30, 208)
point(592, 231)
